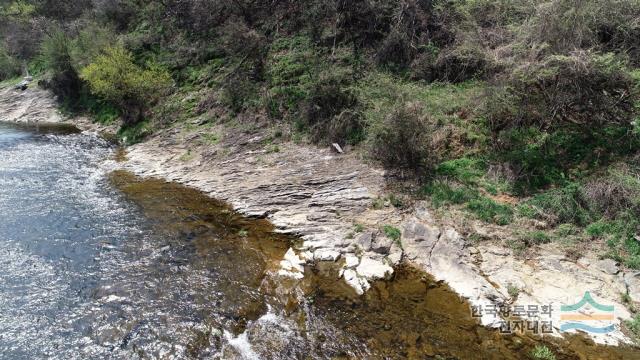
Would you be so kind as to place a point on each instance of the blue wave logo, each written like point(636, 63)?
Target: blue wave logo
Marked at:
point(572, 319)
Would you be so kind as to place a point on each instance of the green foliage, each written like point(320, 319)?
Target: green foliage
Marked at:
point(115, 77)
point(490, 211)
point(9, 65)
point(392, 233)
point(620, 235)
point(513, 290)
point(563, 113)
point(442, 193)
point(542, 352)
point(634, 325)
point(17, 8)
point(134, 133)
point(397, 142)
point(56, 52)
point(100, 110)
point(536, 238)
point(485, 208)
point(89, 43)
point(464, 170)
point(563, 205)
point(291, 67)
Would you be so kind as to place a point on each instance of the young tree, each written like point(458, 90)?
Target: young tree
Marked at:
point(115, 77)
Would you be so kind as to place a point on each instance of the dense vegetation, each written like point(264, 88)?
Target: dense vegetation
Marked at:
point(477, 99)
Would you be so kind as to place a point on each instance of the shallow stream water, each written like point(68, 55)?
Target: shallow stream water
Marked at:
point(97, 263)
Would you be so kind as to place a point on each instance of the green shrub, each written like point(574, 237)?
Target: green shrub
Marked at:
point(130, 134)
point(115, 77)
point(620, 235)
point(392, 233)
point(542, 352)
point(465, 61)
point(403, 140)
point(332, 112)
point(490, 211)
point(395, 53)
point(615, 192)
point(634, 325)
point(563, 205)
point(536, 238)
point(9, 65)
point(563, 112)
point(564, 25)
point(513, 290)
point(528, 211)
point(239, 92)
point(55, 55)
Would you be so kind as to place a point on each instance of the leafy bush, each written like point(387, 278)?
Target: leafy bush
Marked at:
point(455, 64)
point(239, 92)
point(565, 25)
point(331, 112)
point(580, 90)
point(56, 54)
point(115, 77)
point(9, 66)
point(563, 112)
point(615, 192)
point(395, 51)
point(404, 140)
point(620, 234)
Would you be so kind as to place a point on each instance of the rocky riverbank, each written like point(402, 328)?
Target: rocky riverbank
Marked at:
point(325, 198)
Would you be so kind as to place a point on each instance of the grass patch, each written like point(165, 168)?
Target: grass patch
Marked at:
point(513, 290)
point(536, 238)
point(542, 352)
point(392, 233)
point(634, 325)
point(488, 210)
point(209, 139)
point(446, 103)
point(466, 170)
point(485, 208)
point(442, 193)
point(564, 205)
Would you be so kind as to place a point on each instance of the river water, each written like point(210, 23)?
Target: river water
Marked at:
point(96, 263)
